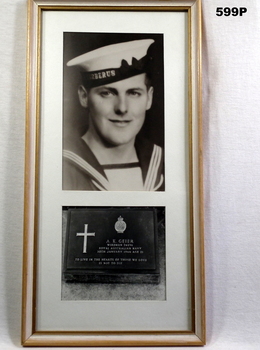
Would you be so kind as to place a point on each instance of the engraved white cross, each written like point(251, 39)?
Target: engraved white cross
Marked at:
point(85, 234)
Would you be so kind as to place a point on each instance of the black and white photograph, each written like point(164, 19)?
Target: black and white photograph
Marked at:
point(113, 112)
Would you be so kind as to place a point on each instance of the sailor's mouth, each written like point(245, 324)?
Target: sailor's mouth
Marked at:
point(120, 123)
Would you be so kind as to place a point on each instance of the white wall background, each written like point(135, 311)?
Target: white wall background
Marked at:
point(231, 61)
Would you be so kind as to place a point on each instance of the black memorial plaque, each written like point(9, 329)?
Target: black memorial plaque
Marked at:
point(112, 245)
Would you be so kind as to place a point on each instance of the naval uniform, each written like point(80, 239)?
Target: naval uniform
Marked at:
point(82, 171)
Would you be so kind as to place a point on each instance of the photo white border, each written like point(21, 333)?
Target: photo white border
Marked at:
point(67, 315)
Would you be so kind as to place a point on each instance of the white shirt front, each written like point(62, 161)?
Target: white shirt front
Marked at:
point(125, 178)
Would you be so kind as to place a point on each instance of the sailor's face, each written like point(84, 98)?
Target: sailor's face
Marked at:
point(117, 110)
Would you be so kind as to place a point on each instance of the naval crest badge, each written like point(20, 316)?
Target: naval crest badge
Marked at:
point(120, 225)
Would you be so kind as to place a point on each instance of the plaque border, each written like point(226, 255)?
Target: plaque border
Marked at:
point(91, 271)
point(29, 335)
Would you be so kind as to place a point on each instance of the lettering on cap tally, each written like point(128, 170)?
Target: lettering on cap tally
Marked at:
point(102, 74)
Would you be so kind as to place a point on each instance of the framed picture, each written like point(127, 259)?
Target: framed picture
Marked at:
point(113, 220)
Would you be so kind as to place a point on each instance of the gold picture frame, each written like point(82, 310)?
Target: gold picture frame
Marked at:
point(178, 319)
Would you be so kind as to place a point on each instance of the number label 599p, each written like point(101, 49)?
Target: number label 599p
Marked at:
point(234, 11)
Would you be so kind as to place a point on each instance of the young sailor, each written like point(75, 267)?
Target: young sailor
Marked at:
point(116, 92)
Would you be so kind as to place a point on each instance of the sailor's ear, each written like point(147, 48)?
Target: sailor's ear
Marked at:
point(83, 96)
point(150, 98)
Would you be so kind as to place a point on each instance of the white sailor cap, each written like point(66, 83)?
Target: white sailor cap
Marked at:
point(112, 63)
